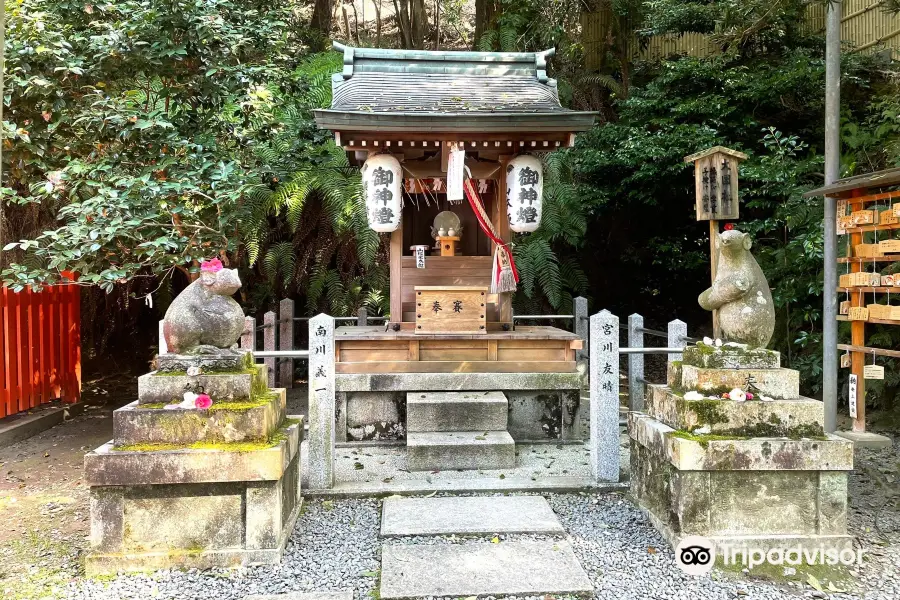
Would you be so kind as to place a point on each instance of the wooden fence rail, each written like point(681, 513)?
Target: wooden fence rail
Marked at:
point(40, 347)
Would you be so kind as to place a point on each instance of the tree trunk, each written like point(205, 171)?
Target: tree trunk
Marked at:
point(321, 17)
point(377, 6)
point(485, 15)
point(402, 9)
point(418, 19)
point(437, 24)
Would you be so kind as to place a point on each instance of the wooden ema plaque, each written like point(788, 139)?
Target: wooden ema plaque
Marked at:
point(451, 309)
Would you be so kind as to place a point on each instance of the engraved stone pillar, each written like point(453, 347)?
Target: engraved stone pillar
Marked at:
point(605, 396)
point(321, 402)
point(362, 317)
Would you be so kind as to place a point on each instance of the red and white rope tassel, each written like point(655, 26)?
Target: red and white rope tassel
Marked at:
point(504, 275)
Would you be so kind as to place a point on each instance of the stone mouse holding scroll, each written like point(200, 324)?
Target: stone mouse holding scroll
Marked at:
point(741, 293)
point(204, 318)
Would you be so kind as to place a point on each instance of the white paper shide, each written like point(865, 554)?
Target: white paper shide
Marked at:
point(382, 177)
point(524, 193)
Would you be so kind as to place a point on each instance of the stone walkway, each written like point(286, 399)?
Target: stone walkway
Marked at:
point(474, 568)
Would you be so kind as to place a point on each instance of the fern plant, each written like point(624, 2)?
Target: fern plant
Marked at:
point(306, 231)
point(549, 278)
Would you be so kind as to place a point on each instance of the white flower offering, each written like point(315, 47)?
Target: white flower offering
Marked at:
point(737, 394)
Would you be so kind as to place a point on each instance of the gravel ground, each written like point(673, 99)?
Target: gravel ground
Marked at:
point(335, 547)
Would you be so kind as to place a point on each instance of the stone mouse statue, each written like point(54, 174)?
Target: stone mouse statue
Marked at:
point(741, 293)
point(204, 318)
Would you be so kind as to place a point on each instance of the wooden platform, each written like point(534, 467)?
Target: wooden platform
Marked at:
point(525, 350)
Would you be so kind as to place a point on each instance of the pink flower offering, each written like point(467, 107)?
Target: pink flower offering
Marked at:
point(213, 265)
point(203, 401)
point(749, 396)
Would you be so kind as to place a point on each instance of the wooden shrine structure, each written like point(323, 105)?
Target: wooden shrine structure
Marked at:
point(417, 107)
point(868, 217)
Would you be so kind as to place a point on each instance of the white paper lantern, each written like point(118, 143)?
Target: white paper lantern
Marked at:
point(524, 193)
point(382, 179)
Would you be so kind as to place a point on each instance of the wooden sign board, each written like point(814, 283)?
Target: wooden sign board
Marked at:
point(889, 280)
point(845, 360)
point(845, 307)
point(873, 372)
point(887, 217)
point(451, 309)
point(844, 223)
point(889, 246)
point(896, 209)
point(862, 217)
point(716, 183)
point(884, 312)
point(859, 313)
point(861, 279)
point(868, 251)
point(843, 219)
point(852, 393)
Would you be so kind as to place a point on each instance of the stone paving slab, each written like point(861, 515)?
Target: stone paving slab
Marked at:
point(479, 569)
point(468, 516)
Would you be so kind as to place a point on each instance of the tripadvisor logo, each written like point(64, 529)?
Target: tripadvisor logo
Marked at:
point(695, 555)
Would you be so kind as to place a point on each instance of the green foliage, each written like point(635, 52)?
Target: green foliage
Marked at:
point(135, 142)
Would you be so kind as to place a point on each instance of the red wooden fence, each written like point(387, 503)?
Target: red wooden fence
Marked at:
point(40, 347)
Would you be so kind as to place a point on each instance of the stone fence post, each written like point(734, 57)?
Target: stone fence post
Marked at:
point(321, 402)
point(269, 344)
point(677, 332)
point(580, 312)
point(248, 337)
point(636, 363)
point(362, 317)
point(286, 342)
point(604, 360)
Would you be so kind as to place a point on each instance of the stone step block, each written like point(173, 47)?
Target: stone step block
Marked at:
point(477, 569)
point(780, 384)
point(456, 411)
point(799, 417)
point(223, 422)
point(473, 515)
point(450, 450)
point(730, 357)
point(166, 387)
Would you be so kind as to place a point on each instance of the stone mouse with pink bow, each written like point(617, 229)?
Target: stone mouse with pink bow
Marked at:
point(204, 318)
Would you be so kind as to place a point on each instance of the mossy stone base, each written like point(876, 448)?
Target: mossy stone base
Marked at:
point(238, 361)
point(780, 384)
point(730, 357)
point(192, 508)
point(763, 491)
point(160, 387)
point(224, 422)
point(796, 418)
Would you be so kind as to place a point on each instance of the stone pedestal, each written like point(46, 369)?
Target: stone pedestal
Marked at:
point(192, 488)
point(753, 473)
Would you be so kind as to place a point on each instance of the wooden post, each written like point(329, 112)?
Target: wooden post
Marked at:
point(269, 344)
point(286, 342)
point(396, 281)
point(858, 330)
point(714, 267)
